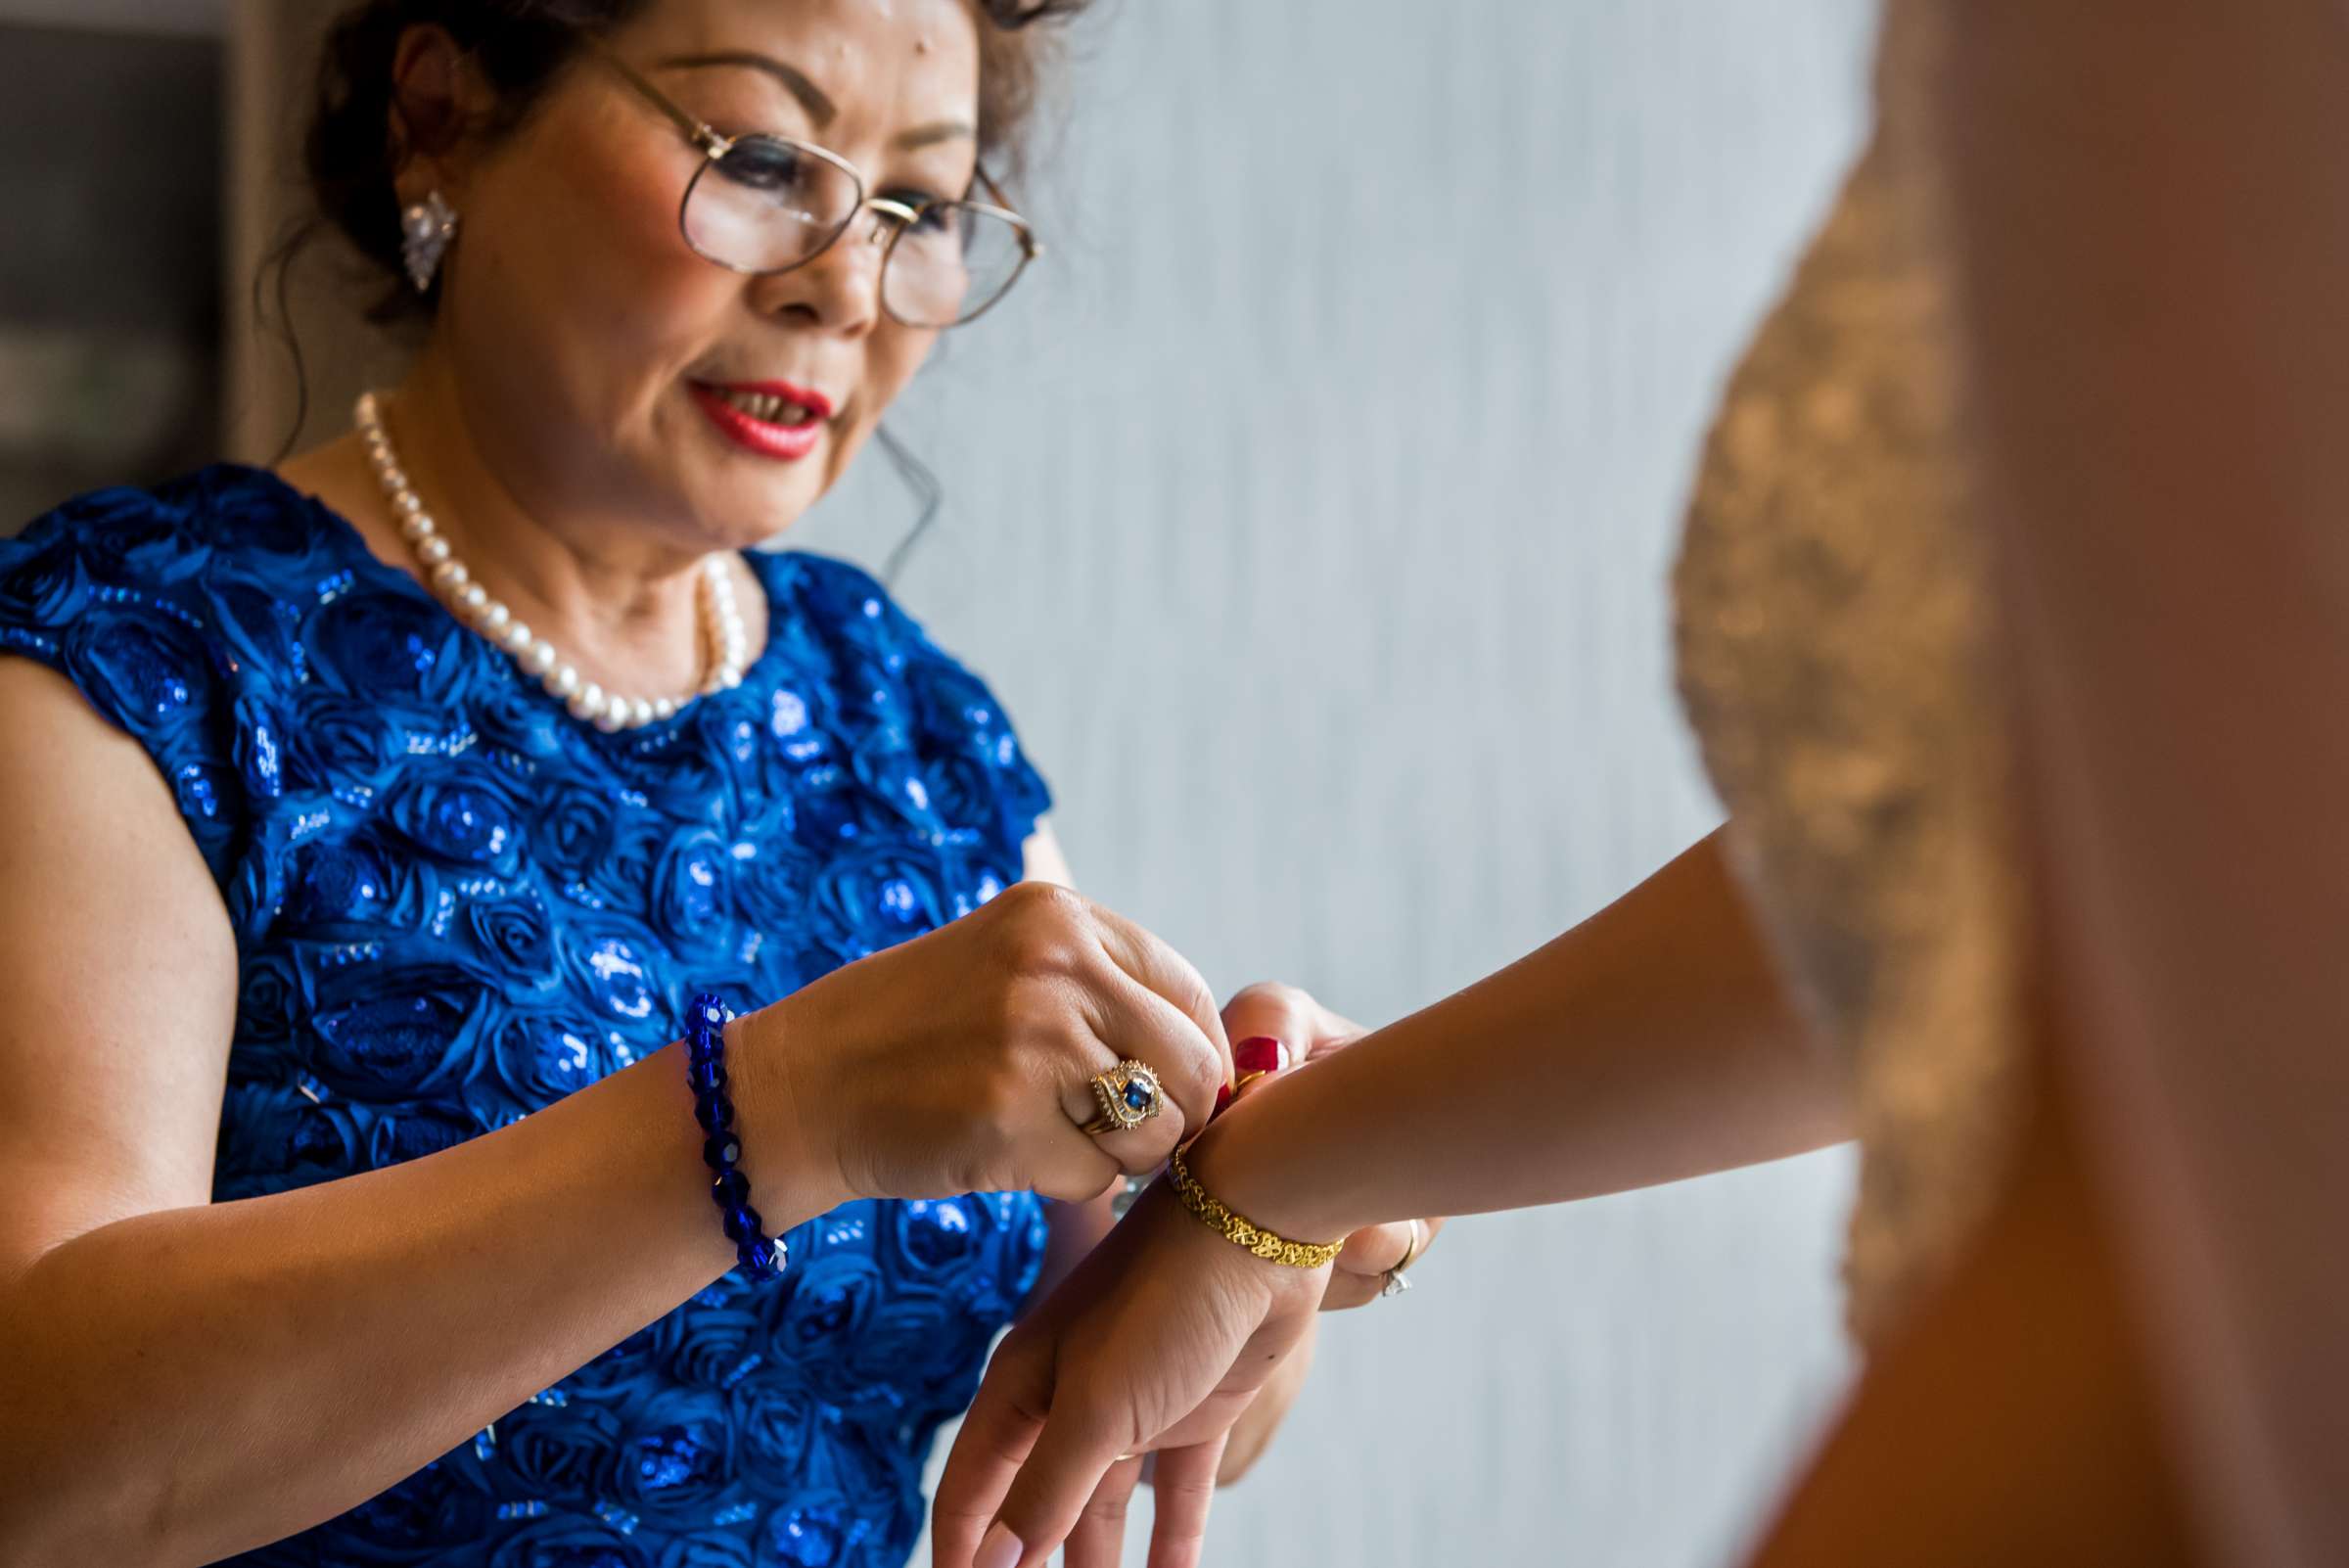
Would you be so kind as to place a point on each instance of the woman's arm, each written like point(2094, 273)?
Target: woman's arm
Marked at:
point(2151, 205)
point(1652, 1042)
point(184, 1380)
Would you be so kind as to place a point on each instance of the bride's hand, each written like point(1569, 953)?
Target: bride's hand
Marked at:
point(1160, 1340)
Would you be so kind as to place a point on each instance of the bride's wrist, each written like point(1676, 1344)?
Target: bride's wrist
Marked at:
point(1243, 1161)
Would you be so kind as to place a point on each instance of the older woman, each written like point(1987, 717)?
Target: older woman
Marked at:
point(395, 811)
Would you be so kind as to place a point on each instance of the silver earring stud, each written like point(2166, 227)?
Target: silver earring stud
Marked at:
point(426, 228)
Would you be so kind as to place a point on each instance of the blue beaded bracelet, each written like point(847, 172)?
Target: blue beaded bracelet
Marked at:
point(706, 1069)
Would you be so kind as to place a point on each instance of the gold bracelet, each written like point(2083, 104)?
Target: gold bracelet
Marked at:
point(1242, 1233)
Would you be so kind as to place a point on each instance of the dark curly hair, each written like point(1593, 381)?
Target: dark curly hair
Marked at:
point(519, 46)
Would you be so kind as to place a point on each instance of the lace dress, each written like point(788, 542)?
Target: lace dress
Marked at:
point(1838, 657)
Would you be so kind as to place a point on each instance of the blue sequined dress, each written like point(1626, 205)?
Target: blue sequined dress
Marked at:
point(453, 904)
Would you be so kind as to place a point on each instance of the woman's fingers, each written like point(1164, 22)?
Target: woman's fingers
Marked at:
point(1371, 1254)
point(1184, 1486)
point(1141, 1004)
point(1273, 1012)
point(1140, 1025)
point(1099, 1539)
point(1375, 1249)
point(1068, 1166)
point(997, 1435)
point(1346, 1292)
point(1170, 977)
point(1132, 1023)
point(1306, 1028)
point(1077, 1447)
point(1140, 1151)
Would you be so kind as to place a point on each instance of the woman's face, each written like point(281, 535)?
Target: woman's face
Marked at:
point(594, 349)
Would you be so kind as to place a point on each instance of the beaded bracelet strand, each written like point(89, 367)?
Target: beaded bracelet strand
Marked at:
point(721, 1147)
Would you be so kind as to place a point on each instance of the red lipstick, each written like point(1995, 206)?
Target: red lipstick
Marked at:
point(782, 421)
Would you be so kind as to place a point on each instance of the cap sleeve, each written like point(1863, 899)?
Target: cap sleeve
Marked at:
point(112, 591)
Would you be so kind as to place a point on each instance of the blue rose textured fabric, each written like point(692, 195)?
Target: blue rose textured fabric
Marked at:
point(454, 905)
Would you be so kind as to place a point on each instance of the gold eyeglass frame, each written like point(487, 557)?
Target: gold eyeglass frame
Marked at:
point(715, 146)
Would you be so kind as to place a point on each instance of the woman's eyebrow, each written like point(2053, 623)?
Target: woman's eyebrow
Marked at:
point(819, 106)
point(820, 109)
point(945, 130)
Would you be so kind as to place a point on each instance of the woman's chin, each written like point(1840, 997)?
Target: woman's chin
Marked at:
point(736, 513)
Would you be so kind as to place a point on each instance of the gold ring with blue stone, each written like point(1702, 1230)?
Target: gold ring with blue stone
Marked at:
point(1129, 1094)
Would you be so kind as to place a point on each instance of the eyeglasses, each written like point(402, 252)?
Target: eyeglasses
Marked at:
point(765, 205)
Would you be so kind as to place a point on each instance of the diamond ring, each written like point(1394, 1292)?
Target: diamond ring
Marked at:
point(1129, 1094)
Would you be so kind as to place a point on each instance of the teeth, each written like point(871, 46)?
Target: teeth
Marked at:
point(771, 409)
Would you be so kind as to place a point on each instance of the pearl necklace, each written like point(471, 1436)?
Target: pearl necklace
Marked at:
point(610, 712)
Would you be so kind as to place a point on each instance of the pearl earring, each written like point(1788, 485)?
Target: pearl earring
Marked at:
point(426, 228)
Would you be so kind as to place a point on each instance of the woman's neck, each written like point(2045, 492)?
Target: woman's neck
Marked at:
point(618, 598)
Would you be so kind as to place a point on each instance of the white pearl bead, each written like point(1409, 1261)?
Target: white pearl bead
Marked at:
point(717, 609)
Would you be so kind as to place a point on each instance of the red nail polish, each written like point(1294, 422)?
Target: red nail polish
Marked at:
point(1259, 1054)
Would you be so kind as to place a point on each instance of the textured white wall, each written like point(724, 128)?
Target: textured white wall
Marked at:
point(1310, 511)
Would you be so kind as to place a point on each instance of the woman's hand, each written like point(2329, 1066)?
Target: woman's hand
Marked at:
point(1161, 1340)
point(1220, 1329)
point(962, 1061)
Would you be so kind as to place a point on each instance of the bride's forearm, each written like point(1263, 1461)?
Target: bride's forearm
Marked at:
point(1650, 1044)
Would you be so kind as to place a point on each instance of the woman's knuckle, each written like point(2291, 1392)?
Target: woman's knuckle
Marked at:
point(1198, 998)
point(1201, 1075)
point(1045, 904)
point(1044, 938)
